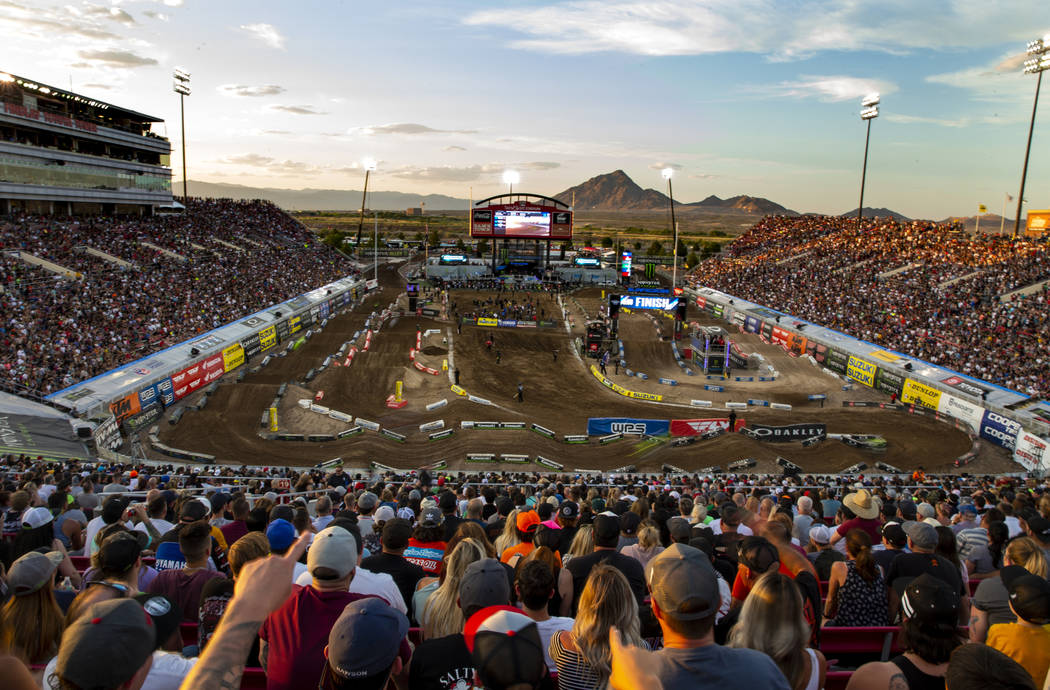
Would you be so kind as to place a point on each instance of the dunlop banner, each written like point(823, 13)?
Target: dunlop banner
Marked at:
point(232, 357)
point(860, 370)
point(485, 321)
point(920, 394)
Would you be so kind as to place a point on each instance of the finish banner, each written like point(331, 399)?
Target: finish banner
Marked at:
point(699, 427)
point(232, 357)
point(602, 426)
point(1000, 430)
point(792, 432)
point(920, 394)
point(862, 371)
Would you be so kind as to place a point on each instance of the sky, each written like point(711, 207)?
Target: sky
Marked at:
point(758, 97)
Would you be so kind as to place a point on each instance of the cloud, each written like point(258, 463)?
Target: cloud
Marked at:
point(779, 30)
point(120, 16)
point(453, 148)
point(278, 132)
point(443, 173)
point(297, 109)
point(267, 33)
point(103, 87)
point(160, 16)
point(828, 88)
point(272, 165)
point(51, 23)
point(116, 58)
point(661, 166)
point(409, 128)
point(998, 80)
point(539, 165)
point(250, 91)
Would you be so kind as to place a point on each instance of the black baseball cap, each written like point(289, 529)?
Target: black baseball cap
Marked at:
point(192, 511)
point(363, 643)
point(757, 553)
point(1040, 527)
point(120, 550)
point(447, 501)
point(569, 510)
point(894, 534)
point(629, 522)
point(1029, 594)
point(606, 527)
point(930, 600)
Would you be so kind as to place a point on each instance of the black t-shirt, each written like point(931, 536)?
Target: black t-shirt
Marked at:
point(885, 558)
point(405, 574)
point(443, 663)
point(909, 566)
point(452, 523)
point(581, 566)
point(338, 479)
point(565, 539)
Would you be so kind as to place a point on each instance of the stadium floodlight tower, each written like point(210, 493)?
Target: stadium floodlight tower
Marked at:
point(668, 173)
point(869, 111)
point(181, 86)
point(511, 178)
point(369, 164)
point(1037, 63)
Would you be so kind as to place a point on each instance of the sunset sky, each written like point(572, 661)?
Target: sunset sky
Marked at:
point(740, 96)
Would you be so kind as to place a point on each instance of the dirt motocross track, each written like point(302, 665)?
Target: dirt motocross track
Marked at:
point(560, 393)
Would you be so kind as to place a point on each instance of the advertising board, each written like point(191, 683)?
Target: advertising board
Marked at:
point(187, 380)
point(751, 324)
point(861, 370)
point(647, 302)
point(161, 391)
point(919, 393)
point(790, 432)
point(1030, 451)
point(251, 346)
point(486, 321)
point(967, 386)
point(267, 338)
point(1000, 430)
point(522, 220)
point(699, 427)
point(600, 426)
point(125, 407)
point(960, 409)
point(780, 337)
point(232, 357)
point(889, 382)
point(837, 361)
point(212, 368)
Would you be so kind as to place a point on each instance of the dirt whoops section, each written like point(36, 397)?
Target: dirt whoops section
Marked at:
point(560, 394)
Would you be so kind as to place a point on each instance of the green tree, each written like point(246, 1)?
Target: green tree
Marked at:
point(682, 249)
point(434, 238)
point(483, 248)
point(692, 260)
point(565, 247)
point(459, 244)
point(655, 248)
point(607, 242)
point(637, 246)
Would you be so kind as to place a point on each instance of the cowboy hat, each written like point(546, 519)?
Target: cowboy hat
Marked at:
point(863, 504)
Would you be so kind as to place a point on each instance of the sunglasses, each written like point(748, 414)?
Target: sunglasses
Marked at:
point(123, 589)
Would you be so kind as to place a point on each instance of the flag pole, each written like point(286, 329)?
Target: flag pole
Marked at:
point(1002, 220)
point(977, 230)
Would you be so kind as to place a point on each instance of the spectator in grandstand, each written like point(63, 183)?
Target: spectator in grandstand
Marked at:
point(367, 503)
point(648, 545)
point(991, 600)
point(156, 510)
point(508, 537)
point(863, 513)
point(441, 663)
point(31, 624)
point(110, 646)
point(216, 594)
point(803, 520)
point(983, 562)
point(70, 522)
point(965, 519)
point(582, 544)
point(606, 533)
point(1039, 531)
point(118, 562)
point(821, 553)
point(526, 523)
point(363, 649)
point(238, 526)
point(979, 667)
point(930, 612)
point(922, 541)
point(505, 648)
point(946, 547)
point(451, 521)
point(38, 533)
point(281, 536)
point(426, 546)
point(1027, 641)
point(857, 587)
point(772, 621)
point(567, 516)
point(894, 543)
point(394, 535)
point(534, 590)
point(440, 615)
point(183, 586)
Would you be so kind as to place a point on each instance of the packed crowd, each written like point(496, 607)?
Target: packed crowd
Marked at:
point(554, 582)
point(520, 309)
point(520, 284)
point(945, 306)
point(225, 259)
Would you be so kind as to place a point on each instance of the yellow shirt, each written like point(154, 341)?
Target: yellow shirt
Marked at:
point(1028, 646)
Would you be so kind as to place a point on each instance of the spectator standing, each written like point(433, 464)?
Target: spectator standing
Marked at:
point(526, 522)
point(324, 513)
point(281, 535)
point(922, 541)
point(184, 585)
point(648, 545)
point(367, 503)
point(451, 521)
point(857, 588)
point(534, 587)
point(1027, 641)
point(238, 527)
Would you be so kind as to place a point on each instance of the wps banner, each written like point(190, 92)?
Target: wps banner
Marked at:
point(600, 426)
point(1030, 452)
point(1000, 430)
point(860, 370)
point(751, 324)
point(792, 432)
point(920, 394)
point(962, 410)
point(699, 427)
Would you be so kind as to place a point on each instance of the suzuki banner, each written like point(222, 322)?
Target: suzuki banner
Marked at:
point(1030, 452)
point(963, 410)
point(920, 394)
point(862, 371)
point(267, 338)
point(699, 427)
point(600, 426)
point(1000, 430)
point(791, 432)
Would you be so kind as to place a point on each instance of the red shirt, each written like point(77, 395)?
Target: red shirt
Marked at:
point(234, 531)
point(869, 526)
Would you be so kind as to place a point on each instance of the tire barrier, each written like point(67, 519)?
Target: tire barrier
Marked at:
point(710, 469)
point(393, 435)
point(241, 374)
point(550, 464)
point(714, 389)
point(435, 405)
point(627, 372)
point(319, 409)
point(438, 435)
point(542, 430)
point(412, 355)
point(372, 426)
point(757, 403)
point(327, 360)
point(672, 469)
point(368, 341)
point(644, 377)
point(318, 396)
point(210, 390)
point(381, 467)
point(736, 406)
point(265, 419)
point(480, 401)
point(481, 457)
point(202, 403)
point(610, 438)
point(432, 426)
point(576, 438)
point(439, 465)
point(886, 467)
point(320, 438)
point(310, 376)
point(352, 431)
point(700, 403)
point(282, 389)
point(742, 464)
point(176, 416)
point(780, 406)
point(816, 396)
point(853, 469)
point(812, 441)
point(767, 378)
point(290, 437)
point(788, 465)
point(514, 458)
point(305, 403)
point(426, 370)
point(340, 416)
point(669, 382)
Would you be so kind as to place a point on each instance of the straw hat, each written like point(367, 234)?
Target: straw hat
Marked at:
point(863, 504)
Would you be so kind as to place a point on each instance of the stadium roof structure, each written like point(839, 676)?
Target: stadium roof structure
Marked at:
point(55, 92)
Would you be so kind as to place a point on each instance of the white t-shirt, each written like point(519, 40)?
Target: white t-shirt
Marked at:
point(166, 673)
point(367, 582)
point(321, 522)
point(162, 526)
point(547, 629)
point(716, 527)
point(94, 526)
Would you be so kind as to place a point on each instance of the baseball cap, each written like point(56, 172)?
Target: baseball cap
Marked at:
point(384, 513)
point(926, 510)
point(1029, 594)
point(364, 642)
point(282, 512)
point(597, 505)
point(527, 521)
point(119, 551)
point(506, 648)
point(1040, 528)
point(218, 501)
point(683, 583)
point(968, 508)
point(820, 534)
point(629, 522)
point(922, 534)
point(192, 511)
point(32, 571)
point(930, 600)
point(447, 501)
point(606, 527)
point(679, 528)
point(333, 548)
point(367, 501)
point(569, 510)
point(895, 534)
point(281, 534)
point(484, 583)
point(757, 553)
point(431, 517)
point(36, 517)
point(166, 616)
point(106, 646)
point(406, 513)
point(907, 509)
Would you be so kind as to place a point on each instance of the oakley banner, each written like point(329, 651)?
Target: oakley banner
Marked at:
point(792, 432)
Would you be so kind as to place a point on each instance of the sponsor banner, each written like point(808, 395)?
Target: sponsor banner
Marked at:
point(485, 321)
point(699, 427)
point(791, 432)
point(507, 323)
point(125, 407)
point(282, 330)
point(701, 302)
point(526, 324)
point(862, 371)
point(646, 302)
point(212, 368)
point(107, 434)
point(1000, 430)
point(737, 318)
point(187, 380)
point(963, 410)
point(306, 319)
point(836, 361)
point(325, 308)
point(251, 346)
point(1030, 451)
point(780, 337)
point(371, 284)
point(601, 426)
point(888, 382)
point(884, 356)
point(623, 391)
point(751, 324)
point(232, 357)
point(798, 343)
point(920, 394)
point(820, 353)
point(161, 392)
point(717, 309)
point(765, 329)
point(966, 386)
point(145, 417)
point(295, 324)
point(267, 338)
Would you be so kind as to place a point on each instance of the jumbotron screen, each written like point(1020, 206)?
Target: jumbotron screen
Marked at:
point(522, 220)
point(521, 223)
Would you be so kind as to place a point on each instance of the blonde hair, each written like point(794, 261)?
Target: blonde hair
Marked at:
point(583, 543)
point(648, 536)
point(509, 537)
point(441, 614)
point(607, 600)
point(772, 621)
point(248, 548)
point(1027, 554)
